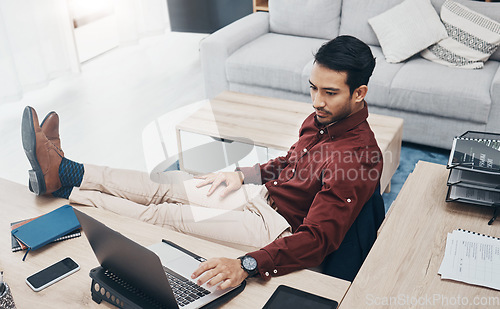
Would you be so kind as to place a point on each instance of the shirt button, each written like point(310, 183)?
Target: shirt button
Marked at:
point(293, 170)
point(275, 271)
point(267, 274)
point(304, 150)
point(275, 183)
point(321, 132)
point(348, 200)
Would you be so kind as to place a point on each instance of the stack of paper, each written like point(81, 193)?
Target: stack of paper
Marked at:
point(472, 258)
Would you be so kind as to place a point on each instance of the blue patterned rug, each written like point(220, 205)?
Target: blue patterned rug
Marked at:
point(410, 155)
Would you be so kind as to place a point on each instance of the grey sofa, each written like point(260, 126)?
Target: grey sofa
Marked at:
point(271, 54)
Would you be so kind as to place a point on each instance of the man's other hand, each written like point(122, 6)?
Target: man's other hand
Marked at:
point(226, 271)
point(232, 180)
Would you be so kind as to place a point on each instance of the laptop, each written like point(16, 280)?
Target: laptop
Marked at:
point(161, 271)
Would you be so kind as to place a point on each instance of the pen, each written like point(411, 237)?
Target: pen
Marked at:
point(197, 257)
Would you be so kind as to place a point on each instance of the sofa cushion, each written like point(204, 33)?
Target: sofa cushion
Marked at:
point(271, 92)
point(407, 29)
point(425, 87)
point(355, 15)
point(272, 60)
point(380, 82)
point(493, 123)
point(472, 39)
point(306, 74)
point(428, 130)
point(307, 18)
point(491, 10)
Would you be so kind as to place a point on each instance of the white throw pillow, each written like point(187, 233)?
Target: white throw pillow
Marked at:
point(407, 29)
point(473, 38)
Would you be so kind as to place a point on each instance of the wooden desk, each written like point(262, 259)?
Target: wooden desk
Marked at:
point(404, 261)
point(17, 203)
point(272, 125)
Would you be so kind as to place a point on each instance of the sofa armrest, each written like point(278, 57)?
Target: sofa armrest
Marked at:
point(493, 124)
point(216, 48)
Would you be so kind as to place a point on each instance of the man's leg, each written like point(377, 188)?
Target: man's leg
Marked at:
point(135, 186)
point(175, 187)
point(52, 173)
point(255, 225)
point(242, 217)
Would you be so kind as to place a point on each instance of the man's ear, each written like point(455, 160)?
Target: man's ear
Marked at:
point(360, 93)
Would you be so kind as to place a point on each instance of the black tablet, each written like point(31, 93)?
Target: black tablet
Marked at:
point(290, 298)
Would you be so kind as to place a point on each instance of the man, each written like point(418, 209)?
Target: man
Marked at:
point(309, 199)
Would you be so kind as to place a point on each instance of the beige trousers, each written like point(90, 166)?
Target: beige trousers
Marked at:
point(244, 217)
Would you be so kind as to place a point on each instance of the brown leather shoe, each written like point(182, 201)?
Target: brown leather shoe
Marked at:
point(50, 127)
point(43, 155)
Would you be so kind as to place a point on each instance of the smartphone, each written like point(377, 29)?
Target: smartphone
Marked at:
point(52, 274)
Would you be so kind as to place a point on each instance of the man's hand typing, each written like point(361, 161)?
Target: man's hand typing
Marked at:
point(226, 271)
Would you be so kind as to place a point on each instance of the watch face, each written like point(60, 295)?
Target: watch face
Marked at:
point(249, 263)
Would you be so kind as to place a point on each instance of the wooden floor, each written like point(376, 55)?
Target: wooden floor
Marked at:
point(104, 109)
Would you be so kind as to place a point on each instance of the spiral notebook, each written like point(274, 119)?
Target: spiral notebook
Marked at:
point(472, 258)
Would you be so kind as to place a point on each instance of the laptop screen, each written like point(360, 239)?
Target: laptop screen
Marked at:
point(130, 261)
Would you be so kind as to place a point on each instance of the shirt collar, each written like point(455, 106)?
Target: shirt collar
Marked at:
point(340, 127)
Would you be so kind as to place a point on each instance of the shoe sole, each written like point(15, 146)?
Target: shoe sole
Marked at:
point(30, 172)
point(36, 178)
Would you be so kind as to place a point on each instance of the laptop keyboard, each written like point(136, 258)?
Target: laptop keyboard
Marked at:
point(185, 291)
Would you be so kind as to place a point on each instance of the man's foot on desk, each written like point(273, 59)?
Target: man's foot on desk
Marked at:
point(50, 127)
point(45, 158)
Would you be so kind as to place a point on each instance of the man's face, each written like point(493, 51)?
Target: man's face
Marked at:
point(330, 95)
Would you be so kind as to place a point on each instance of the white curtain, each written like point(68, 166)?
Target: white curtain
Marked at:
point(37, 41)
point(36, 45)
point(140, 18)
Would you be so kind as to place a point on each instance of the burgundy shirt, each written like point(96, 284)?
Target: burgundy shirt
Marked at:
point(319, 187)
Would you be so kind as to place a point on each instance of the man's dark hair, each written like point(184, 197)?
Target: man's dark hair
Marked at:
point(348, 54)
